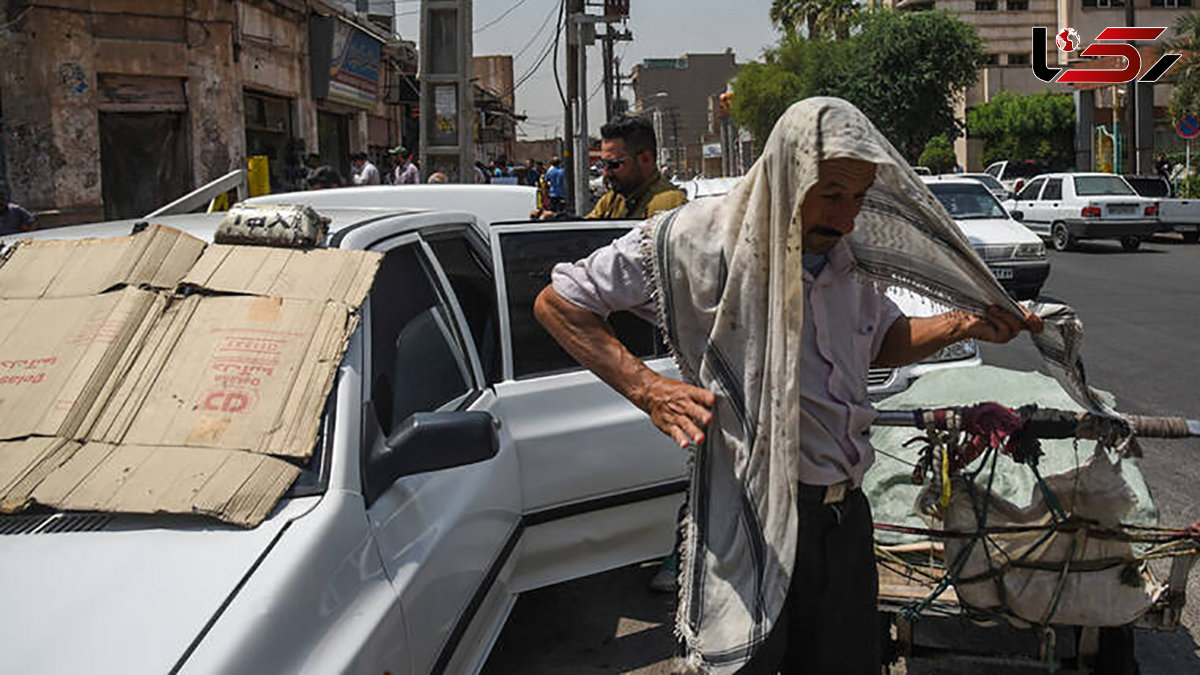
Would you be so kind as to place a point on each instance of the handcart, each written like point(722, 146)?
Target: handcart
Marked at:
point(1021, 526)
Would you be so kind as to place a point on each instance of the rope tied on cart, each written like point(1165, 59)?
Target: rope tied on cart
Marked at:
point(954, 439)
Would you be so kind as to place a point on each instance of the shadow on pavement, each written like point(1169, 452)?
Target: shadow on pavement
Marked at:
point(608, 623)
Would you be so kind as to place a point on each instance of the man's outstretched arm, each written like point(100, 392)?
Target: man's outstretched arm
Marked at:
point(909, 340)
point(678, 409)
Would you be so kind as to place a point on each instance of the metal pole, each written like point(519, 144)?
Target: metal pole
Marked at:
point(608, 73)
point(574, 7)
point(582, 194)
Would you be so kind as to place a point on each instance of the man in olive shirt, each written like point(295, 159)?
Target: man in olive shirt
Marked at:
point(636, 189)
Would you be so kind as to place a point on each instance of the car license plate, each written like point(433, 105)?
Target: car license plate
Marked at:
point(1121, 209)
point(1002, 273)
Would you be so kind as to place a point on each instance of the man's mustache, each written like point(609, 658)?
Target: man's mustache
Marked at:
point(826, 231)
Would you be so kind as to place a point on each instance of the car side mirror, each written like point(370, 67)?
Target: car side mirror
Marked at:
point(426, 442)
point(1017, 215)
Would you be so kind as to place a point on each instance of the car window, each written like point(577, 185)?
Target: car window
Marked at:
point(528, 258)
point(1025, 168)
point(1053, 191)
point(1093, 186)
point(470, 273)
point(964, 201)
point(417, 361)
point(1031, 191)
point(994, 169)
point(988, 180)
point(1150, 187)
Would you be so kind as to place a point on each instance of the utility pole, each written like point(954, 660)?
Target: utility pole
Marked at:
point(612, 76)
point(585, 34)
point(574, 9)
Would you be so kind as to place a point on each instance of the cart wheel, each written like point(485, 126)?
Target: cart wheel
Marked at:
point(1060, 237)
point(1131, 243)
point(1116, 656)
point(1191, 237)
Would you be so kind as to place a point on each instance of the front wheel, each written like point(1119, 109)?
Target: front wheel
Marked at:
point(1131, 243)
point(1060, 237)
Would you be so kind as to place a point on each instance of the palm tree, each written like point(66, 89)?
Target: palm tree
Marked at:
point(819, 17)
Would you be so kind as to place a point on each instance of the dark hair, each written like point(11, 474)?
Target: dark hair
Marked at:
point(555, 161)
point(637, 132)
point(357, 156)
point(325, 176)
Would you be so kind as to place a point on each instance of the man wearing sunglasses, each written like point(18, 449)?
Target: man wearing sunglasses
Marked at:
point(636, 189)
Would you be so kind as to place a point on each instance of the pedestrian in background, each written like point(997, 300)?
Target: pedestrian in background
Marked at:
point(364, 172)
point(438, 177)
point(323, 178)
point(14, 218)
point(406, 172)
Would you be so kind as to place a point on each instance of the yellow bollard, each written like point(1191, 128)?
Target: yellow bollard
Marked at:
point(259, 176)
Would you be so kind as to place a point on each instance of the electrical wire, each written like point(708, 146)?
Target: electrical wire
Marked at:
point(562, 8)
point(500, 18)
point(537, 34)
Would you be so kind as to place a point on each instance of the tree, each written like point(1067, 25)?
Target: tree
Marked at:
point(938, 155)
point(1185, 99)
point(795, 69)
point(820, 18)
point(903, 70)
point(908, 70)
point(1037, 126)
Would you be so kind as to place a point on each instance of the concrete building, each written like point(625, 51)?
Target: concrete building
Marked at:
point(676, 94)
point(1005, 26)
point(495, 99)
point(111, 108)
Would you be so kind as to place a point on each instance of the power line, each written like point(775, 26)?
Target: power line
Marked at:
point(500, 18)
point(537, 34)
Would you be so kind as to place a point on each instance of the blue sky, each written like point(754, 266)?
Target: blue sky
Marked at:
point(661, 29)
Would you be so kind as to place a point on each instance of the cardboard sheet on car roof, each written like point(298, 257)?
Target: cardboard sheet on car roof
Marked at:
point(118, 393)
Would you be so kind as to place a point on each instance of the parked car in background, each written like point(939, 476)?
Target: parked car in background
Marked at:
point(988, 180)
point(700, 188)
point(1174, 214)
point(1014, 173)
point(1070, 207)
point(1014, 254)
point(922, 171)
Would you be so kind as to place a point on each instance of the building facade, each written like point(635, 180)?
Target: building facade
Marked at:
point(110, 110)
point(1005, 26)
point(676, 94)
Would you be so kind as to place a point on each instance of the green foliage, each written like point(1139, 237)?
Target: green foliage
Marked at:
point(903, 70)
point(794, 70)
point(1185, 98)
point(1189, 187)
point(819, 18)
point(938, 155)
point(1037, 126)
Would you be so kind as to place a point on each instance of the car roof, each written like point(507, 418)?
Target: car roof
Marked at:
point(199, 225)
point(490, 203)
point(952, 179)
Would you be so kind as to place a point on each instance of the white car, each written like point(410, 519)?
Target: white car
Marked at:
point(702, 188)
point(989, 181)
point(427, 508)
point(1014, 254)
point(1174, 214)
point(1013, 174)
point(1070, 207)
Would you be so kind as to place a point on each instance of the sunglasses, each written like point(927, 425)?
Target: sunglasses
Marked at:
point(614, 164)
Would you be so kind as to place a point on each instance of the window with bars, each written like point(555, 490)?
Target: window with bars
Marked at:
point(991, 59)
point(1021, 59)
point(1103, 3)
point(986, 5)
point(1017, 5)
point(1171, 3)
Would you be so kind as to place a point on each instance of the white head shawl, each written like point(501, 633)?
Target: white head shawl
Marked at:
point(729, 289)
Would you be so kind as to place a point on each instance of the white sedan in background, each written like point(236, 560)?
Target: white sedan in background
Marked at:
point(1070, 207)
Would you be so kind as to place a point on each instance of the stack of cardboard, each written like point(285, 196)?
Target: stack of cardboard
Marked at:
point(152, 374)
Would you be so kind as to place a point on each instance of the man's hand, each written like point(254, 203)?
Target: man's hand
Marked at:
point(998, 326)
point(678, 409)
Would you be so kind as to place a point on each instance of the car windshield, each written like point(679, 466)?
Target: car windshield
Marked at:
point(988, 180)
point(1093, 186)
point(967, 201)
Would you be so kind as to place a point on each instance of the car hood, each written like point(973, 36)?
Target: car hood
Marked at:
point(128, 598)
point(993, 231)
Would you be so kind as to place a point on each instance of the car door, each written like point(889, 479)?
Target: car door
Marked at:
point(1049, 205)
point(442, 534)
point(600, 486)
point(1027, 202)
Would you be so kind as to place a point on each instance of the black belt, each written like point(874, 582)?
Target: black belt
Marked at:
point(826, 494)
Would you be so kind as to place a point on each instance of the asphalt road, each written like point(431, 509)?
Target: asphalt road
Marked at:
point(1141, 316)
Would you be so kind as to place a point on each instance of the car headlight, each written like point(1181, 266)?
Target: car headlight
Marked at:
point(955, 352)
point(1034, 250)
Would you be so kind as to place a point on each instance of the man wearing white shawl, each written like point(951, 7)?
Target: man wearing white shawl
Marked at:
point(750, 291)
